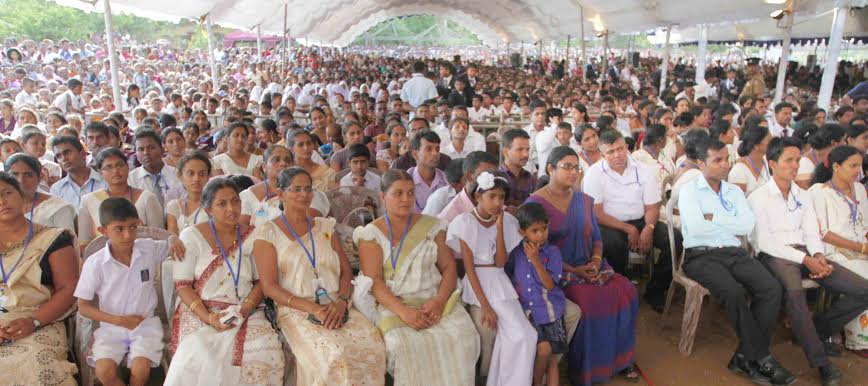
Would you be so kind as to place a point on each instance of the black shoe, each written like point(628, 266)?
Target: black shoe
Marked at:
point(655, 301)
point(739, 365)
point(776, 373)
point(833, 349)
point(830, 375)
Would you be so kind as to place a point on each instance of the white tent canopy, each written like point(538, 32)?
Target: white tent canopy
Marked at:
point(496, 22)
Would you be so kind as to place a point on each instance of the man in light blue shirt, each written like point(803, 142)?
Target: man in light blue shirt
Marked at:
point(418, 89)
point(80, 179)
point(714, 213)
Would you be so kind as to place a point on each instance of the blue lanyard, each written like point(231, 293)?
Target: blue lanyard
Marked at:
point(236, 274)
point(311, 254)
point(395, 255)
point(796, 199)
point(756, 169)
point(689, 165)
point(814, 156)
point(187, 209)
point(619, 182)
point(6, 275)
point(854, 207)
point(727, 206)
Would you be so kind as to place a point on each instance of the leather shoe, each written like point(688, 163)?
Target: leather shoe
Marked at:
point(739, 365)
point(830, 375)
point(776, 373)
point(655, 301)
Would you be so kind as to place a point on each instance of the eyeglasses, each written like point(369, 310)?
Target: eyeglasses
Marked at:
point(299, 189)
point(568, 167)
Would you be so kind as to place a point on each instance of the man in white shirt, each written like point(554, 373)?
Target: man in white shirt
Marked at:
point(70, 101)
point(476, 112)
point(456, 146)
point(788, 240)
point(27, 95)
point(154, 175)
point(537, 125)
point(779, 124)
point(358, 159)
point(418, 89)
point(627, 201)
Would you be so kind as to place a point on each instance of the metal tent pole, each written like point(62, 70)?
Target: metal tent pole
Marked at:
point(259, 43)
point(214, 80)
point(113, 57)
point(832, 52)
point(701, 53)
point(785, 54)
point(664, 66)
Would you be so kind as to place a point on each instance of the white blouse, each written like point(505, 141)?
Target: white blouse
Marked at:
point(54, 212)
point(262, 212)
point(228, 166)
point(148, 206)
point(741, 174)
point(835, 215)
point(176, 208)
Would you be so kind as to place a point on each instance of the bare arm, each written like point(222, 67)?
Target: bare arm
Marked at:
point(266, 263)
point(371, 260)
point(500, 253)
point(472, 277)
point(840, 242)
point(172, 224)
point(64, 273)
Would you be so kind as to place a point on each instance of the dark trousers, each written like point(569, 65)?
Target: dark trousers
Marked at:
point(810, 333)
point(617, 251)
point(731, 275)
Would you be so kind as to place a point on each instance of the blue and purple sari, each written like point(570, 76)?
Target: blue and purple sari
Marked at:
point(605, 340)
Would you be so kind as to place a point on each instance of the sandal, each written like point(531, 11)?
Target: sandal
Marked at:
point(631, 373)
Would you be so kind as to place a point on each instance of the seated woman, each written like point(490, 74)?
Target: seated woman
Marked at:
point(430, 339)
point(651, 153)
point(41, 208)
point(194, 169)
point(301, 144)
point(39, 277)
point(236, 159)
point(609, 302)
point(261, 202)
point(112, 165)
point(218, 337)
point(822, 142)
point(839, 200)
point(751, 170)
point(304, 268)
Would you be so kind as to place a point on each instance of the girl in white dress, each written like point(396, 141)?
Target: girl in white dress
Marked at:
point(484, 238)
point(842, 206)
point(751, 170)
point(260, 203)
point(237, 160)
point(193, 170)
point(112, 164)
point(39, 207)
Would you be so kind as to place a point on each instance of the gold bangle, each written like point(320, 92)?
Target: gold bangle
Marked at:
point(600, 258)
point(248, 301)
point(195, 304)
point(862, 248)
point(289, 301)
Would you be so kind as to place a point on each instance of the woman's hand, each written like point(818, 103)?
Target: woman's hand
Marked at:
point(414, 318)
point(19, 328)
point(214, 321)
point(588, 271)
point(335, 314)
point(489, 317)
point(176, 249)
point(433, 310)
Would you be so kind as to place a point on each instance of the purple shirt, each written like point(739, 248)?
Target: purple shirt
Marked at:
point(546, 306)
point(423, 190)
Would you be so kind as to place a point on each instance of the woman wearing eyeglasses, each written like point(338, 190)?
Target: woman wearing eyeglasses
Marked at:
point(609, 302)
point(302, 266)
point(219, 337)
point(112, 165)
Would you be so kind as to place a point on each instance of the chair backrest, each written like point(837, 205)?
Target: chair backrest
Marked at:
point(676, 256)
point(346, 199)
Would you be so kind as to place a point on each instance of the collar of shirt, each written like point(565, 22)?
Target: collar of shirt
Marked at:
point(439, 178)
point(94, 176)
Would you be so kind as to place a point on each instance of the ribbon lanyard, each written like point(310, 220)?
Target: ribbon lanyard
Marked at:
point(236, 274)
point(7, 276)
point(854, 207)
point(311, 254)
point(756, 169)
point(395, 255)
point(189, 220)
point(727, 206)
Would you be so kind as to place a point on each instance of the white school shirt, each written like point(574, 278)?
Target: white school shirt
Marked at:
point(169, 182)
point(782, 223)
point(623, 196)
point(372, 181)
point(123, 290)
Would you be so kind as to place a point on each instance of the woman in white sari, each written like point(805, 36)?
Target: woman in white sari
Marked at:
point(215, 282)
point(842, 205)
point(41, 208)
point(430, 339)
point(304, 268)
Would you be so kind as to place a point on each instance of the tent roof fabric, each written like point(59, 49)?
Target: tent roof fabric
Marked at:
point(496, 22)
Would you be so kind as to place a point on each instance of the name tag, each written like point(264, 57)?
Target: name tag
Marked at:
point(3, 300)
point(146, 275)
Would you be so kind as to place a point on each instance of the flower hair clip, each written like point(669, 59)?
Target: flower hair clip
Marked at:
point(485, 180)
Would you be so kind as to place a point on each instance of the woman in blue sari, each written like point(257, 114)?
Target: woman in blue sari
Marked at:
point(604, 343)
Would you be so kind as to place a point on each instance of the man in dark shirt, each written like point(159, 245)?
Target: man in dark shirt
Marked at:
point(515, 145)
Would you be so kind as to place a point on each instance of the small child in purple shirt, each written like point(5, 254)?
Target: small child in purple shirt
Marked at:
point(535, 268)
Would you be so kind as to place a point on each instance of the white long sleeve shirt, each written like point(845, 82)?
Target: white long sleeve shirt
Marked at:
point(782, 223)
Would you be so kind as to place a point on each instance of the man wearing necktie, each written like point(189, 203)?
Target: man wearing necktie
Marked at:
point(779, 124)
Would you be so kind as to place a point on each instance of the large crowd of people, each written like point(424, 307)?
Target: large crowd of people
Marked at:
point(485, 256)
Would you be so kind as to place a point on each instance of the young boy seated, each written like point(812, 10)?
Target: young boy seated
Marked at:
point(122, 275)
point(360, 158)
point(535, 268)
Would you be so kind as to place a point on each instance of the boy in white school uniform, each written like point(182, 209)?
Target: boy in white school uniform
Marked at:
point(122, 275)
point(359, 175)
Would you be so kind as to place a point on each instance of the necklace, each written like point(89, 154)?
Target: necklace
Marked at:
point(479, 216)
point(187, 218)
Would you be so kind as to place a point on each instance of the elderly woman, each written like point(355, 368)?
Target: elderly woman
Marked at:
point(304, 268)
point(840, 202)
point(218, 337)
point(182, 213)
point(430, 338)
point(39, 207)
point(112, 165)
point(261, 202)
point(40, 271)
point(609, 302)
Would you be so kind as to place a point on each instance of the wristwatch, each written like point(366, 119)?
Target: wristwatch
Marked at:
point(344, 298)
point(36, 323)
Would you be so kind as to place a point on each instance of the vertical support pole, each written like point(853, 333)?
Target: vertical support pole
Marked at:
point(785, 54)
point(113, 57)
point(568, 52)
point(701, 54)
point(285, 45)
point(832, 53)
point(211, 59)
point(582, 37)
point(606, 54)
point(664, 66)
point(259, 43)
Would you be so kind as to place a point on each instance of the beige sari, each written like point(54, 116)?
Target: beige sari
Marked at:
point(351, 355)
point(250, 353)
point(444, 354)
point(39, 359)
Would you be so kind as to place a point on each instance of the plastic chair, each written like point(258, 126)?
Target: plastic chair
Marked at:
point(695, 293)
point(343, 173)
point(85, 327)
point(346, 199)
